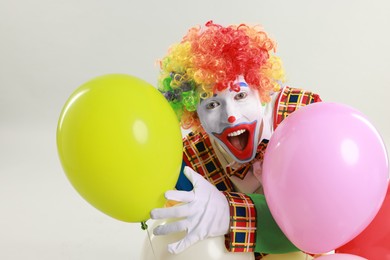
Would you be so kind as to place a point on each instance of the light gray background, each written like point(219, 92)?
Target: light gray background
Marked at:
point(48, 48)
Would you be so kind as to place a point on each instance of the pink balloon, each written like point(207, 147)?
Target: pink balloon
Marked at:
point(340, 257)
point(325, 175)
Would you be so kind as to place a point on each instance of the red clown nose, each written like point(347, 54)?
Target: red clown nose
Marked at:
point(231, 119)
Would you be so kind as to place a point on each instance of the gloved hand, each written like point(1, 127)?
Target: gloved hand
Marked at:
point(205, 213)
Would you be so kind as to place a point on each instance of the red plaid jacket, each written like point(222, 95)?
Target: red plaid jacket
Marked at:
point(201, 157)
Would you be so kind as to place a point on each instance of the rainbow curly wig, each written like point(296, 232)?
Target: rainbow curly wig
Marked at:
point(209, 59)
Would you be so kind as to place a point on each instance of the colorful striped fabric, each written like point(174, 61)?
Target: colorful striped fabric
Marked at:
point(291, 99)
point(242, 236)
point(201, 157)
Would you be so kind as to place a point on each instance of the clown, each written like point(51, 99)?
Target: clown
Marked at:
point(226, 85)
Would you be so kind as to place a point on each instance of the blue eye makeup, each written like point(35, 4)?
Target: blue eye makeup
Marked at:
point(243, 84)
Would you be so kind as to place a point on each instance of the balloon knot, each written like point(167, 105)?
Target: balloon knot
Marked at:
point(144, 226)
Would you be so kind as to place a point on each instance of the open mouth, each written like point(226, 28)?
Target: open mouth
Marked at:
point(239, 140)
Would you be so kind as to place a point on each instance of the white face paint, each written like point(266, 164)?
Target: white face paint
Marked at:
point(234, 119)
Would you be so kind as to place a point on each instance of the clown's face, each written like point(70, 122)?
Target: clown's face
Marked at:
point(234, 119)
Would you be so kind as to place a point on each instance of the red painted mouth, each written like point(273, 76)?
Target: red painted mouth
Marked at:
point(239, 140)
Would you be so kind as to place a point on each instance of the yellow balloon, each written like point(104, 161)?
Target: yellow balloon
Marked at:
point(119, 143)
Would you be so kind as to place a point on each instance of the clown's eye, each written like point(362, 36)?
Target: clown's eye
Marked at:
point(212, 105)
point(240, 96)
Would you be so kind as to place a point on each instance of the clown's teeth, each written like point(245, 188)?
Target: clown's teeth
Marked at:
point(238, 132)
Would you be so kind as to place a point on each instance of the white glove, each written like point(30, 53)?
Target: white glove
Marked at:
point(205, 213)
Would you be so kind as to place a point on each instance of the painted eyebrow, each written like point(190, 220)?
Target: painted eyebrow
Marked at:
point(201, 100)
point(243, 84)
